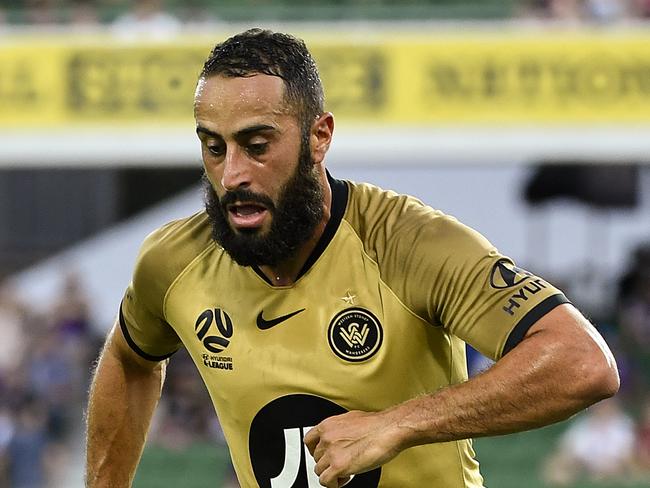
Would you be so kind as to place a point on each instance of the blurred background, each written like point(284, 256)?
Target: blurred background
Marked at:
point(528, 120)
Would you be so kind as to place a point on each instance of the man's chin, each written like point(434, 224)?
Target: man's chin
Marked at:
point(248, 235)
point(249, 250)
point(249, 230)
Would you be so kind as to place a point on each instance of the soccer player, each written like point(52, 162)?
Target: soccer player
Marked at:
point(328, 319)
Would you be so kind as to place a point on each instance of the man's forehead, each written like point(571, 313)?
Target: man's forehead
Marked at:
point(228, 106)
point(259, 90)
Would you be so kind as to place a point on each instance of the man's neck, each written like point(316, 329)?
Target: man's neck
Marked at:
point(286, 273)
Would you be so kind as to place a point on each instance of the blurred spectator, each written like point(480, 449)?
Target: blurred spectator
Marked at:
point(605, 10)
point(12, 335)
point(186, 410)
point(633, 313)
point(27, 447)
point(551, 9)
point(41, 12)
point(147, 19)
point(84, 14)
point(565, 9)
point(642, 8)
point(6, 434)
point(71, 309)
point(43, 382)
point(633, 277)
point(643, 440)
point(51, 376)
point(476, 362)
point(599, 445)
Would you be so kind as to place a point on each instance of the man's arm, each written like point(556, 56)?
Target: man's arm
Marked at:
point(561, 367)
point(124, 393)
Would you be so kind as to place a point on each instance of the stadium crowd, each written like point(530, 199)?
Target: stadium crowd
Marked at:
point(45, 367)
point(170, 15)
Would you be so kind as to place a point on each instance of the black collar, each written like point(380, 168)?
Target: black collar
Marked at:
point(339, 202)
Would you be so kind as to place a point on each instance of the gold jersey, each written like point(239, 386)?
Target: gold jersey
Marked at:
point(380, 314)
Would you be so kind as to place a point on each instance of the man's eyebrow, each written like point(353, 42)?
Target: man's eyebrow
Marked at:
point(242, 132)
point(254, 128)
point(203, 130)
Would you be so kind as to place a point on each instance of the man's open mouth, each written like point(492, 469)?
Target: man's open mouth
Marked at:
point(247, 214)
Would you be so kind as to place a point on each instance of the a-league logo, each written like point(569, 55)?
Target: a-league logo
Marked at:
point(214, 343)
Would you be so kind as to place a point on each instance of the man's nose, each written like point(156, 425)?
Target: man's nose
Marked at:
point(236, 170)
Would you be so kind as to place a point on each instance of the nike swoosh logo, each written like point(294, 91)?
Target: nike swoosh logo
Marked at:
point(264, 324)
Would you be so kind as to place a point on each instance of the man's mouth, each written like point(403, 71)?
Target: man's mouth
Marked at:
point(247, 215)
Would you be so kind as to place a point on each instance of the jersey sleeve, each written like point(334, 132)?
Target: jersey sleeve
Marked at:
point(473, 291)
point(142, 317)
point(447, 273)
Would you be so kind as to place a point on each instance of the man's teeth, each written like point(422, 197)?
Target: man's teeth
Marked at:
point(247, 210)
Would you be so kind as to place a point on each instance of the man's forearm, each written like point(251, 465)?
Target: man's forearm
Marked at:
point(544, 380)
point(120, 407)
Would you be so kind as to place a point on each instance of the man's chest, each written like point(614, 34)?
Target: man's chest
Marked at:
point(253, 334)
point(338, 329)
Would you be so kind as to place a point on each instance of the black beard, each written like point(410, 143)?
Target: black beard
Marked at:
point(298, 211)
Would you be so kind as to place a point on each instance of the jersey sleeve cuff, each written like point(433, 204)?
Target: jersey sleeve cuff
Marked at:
point(134, 346)
point(519, 331)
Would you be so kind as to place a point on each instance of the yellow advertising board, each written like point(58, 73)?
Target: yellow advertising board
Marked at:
point(489, 78)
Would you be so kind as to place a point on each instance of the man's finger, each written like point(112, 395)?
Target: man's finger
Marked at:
point(344, 481)
point(328, 478)
point(321, 466)
point(319, 453)
point(311, 439)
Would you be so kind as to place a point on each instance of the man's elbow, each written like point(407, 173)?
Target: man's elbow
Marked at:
point(597, 377)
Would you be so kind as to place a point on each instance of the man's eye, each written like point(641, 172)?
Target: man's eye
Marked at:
point(258, 148)
point(216, 150)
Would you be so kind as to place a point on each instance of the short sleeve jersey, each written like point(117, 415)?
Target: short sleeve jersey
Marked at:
point(380, 314)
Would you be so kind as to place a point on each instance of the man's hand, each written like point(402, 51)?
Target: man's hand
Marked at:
point(352, 443)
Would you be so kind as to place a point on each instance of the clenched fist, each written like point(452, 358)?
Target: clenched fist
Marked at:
point(352, 443)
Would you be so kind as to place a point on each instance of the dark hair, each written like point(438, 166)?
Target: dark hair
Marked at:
point(258, 51)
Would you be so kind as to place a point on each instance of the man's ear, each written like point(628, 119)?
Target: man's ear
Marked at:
point(321, 136)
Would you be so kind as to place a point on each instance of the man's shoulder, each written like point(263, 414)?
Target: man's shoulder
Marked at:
point(163, 256)
point(386, 221)
point(189, 232)
point(167, 250)
point(370, 206)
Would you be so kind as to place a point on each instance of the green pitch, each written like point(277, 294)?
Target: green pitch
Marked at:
point(200, 466)
point(515, 461)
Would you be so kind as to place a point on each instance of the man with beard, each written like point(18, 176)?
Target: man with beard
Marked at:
point(328, 319)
